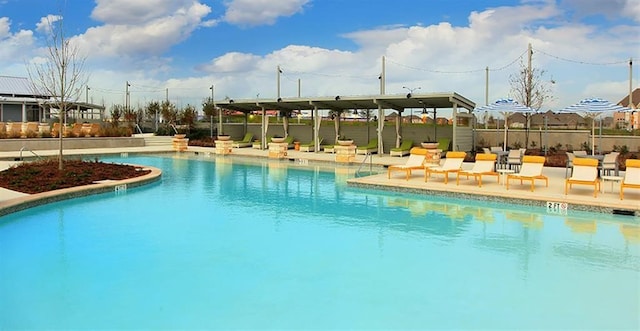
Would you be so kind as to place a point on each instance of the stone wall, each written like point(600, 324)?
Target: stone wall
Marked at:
point(34, 144)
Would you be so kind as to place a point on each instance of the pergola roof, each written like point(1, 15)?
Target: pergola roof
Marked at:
point(396, 102)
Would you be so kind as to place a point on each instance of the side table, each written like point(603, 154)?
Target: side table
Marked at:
point(612, 179)
point(503, 173)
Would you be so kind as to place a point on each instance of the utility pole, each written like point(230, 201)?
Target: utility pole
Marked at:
point(126, 96)
point(529, 77)
point(380, 110)
point(486, 95)
point(631, 105)
point(86, 96)
point(278, 72)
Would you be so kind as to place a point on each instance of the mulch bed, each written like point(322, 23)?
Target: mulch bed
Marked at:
point(42, 176)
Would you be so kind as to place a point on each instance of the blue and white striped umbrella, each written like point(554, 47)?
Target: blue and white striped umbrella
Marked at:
point(505, 106)
point(593, 107)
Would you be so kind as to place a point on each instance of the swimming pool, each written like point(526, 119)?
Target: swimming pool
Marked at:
point(218, 243)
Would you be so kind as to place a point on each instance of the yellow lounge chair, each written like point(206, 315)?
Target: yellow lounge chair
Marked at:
point(247, 141)
point(631, 176)
point(585, 172)
point(484, 165)
point(416, 161)
point(531, 170)
point(452, 163)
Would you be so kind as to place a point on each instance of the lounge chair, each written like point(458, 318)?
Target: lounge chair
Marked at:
point(631, 176)
point(580, 153)
point(531, 170)
point(514, 158)
point(247, 141)
point(257, 144)
point(310, 146)
point(452, 163)
point(443, 144)
point(416, 161)
point(610, 163)
point(289, 140)
point(484, 166)
point(370, 148)
point(569, 164)
point(403, 150)
point(585, 172)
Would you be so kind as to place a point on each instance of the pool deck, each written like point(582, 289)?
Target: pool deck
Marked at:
point(579, 198)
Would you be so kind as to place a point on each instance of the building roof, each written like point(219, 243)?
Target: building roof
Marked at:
point(636, 99)
point(16, 87)
point(397, 102)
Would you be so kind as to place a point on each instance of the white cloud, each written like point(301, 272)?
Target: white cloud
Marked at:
point(47, 23)
point(14, 47)
point(231, 62)
point(151, 34)
point(261, 12)
point(128, 12)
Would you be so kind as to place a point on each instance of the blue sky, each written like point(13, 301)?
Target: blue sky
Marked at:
point(334, 47)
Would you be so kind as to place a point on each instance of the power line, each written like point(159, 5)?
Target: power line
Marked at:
point(457, 72)
point(580, 62)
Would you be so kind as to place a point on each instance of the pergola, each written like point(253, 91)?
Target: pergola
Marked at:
point(449, 100)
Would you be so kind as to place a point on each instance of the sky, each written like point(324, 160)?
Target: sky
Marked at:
point(180, 48)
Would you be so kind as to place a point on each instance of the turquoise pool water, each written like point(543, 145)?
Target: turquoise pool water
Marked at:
point(219, 244)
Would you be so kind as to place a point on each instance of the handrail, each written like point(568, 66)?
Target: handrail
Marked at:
point(139, 129)
point(32, 152)
point(173, 126)
point(366, 156)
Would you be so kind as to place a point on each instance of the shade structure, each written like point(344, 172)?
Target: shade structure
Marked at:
point(592, 108)
point(505, 107)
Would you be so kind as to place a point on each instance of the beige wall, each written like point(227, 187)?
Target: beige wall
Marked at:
point(573, 138)
point(35, 144)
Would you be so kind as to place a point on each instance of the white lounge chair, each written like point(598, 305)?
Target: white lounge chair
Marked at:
point(531, 170)
point(585, 172)
point(484, 166)
point(452, 163)
point(417, 157)
point(631, 176)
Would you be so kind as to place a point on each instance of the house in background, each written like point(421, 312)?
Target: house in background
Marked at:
point(19, 102)
point(629, 120)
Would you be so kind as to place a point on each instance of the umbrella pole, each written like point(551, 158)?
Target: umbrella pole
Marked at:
point(504, 142)
point(593, 136)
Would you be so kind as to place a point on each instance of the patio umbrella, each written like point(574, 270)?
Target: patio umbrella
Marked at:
point(505, 107)
point(592, 108)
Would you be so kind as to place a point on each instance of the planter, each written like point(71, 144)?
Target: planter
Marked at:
point(429, 145)
point(277, 139)
point(224, 137)
point(179, 135)
point(345, 142)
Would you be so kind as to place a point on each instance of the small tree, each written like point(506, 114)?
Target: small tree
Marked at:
point(117, 112)
point(168, 112)
point(60, 75)
point(188, 117)
point(208, 107)
point(529, 88)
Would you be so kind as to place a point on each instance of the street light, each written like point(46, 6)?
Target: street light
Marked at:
point(411, 90)
point(409, 96)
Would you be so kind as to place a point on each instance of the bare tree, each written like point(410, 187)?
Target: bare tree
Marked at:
point(529, 88)
point(60, 74)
